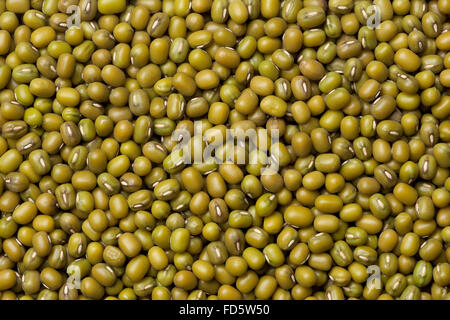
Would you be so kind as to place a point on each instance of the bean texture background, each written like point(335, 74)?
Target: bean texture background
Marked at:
point(339, 188)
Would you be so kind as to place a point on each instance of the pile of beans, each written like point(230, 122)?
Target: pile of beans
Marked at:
point(98, 202)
